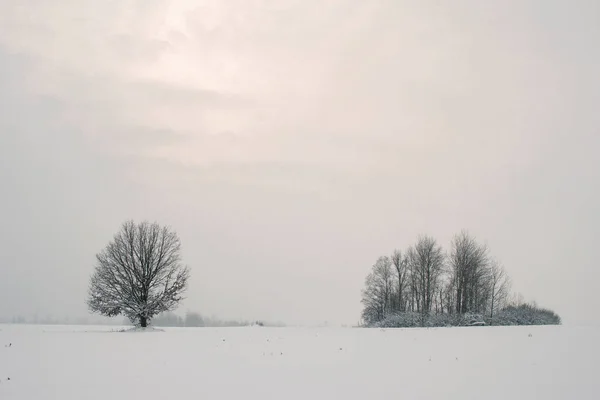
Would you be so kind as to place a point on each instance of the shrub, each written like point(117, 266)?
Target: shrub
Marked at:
point(525, 314)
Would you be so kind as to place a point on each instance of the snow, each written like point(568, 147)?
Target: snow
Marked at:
point(77, 362)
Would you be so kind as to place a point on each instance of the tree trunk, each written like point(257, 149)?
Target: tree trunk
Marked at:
point(143, 322)
point(400, 308)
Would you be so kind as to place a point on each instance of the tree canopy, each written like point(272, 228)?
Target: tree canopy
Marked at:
point(139, 274)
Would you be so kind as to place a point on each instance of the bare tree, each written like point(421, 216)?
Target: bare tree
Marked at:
point(378, 291)
point(138, 274)
point(449, 295)
point(516, 300)
point(414, 298)
point(400, 265)
point(469, 266)
point(426, 263)
point(499, 288)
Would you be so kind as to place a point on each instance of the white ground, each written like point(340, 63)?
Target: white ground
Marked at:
point(67, 362)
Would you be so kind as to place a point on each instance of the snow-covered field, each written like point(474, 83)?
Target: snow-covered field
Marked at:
point(75, 362)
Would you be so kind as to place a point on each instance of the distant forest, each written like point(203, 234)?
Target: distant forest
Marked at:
point(168, 319)
point(424, 286)
point(194, 319)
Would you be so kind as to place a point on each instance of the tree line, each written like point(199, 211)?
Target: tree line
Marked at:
point(425, 286)
point(195, 319)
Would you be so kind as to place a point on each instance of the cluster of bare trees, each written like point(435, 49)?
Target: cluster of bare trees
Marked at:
point(424, 279)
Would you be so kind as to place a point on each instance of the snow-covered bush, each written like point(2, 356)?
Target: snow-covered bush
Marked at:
point(415, 320)
point(400, 320)
point(525, 314)
point(471, 319)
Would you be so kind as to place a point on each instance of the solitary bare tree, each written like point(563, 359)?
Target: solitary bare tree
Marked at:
point(139, 274)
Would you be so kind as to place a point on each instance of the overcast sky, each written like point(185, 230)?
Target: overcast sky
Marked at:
point(291, 143)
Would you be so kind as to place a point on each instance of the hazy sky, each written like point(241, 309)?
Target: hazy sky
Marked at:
point(291, 143)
